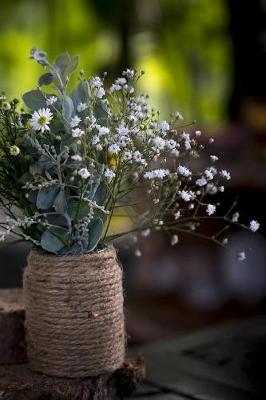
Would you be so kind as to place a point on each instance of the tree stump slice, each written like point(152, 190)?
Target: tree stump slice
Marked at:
point(18, 382)
point(12, 335)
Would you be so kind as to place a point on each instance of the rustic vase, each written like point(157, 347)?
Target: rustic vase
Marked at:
point(74, 313)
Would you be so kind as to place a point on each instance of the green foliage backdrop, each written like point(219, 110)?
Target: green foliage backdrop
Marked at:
point(182, 44)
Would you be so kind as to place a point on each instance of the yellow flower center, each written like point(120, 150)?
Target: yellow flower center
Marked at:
point(42, 120)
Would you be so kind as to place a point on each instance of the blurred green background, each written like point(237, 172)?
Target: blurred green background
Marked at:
point(183, 46)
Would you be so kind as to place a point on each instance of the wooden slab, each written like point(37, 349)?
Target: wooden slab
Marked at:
point(12, 340)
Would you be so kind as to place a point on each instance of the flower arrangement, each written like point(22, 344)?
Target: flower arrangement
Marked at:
point(69, 162)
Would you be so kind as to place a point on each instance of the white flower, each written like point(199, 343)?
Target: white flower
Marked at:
point(214, 158)
point(81, 107)
point(177, 215)
point(77, 132)
point(211, 140)
point(75, 121)
point(108, 173)
point(156, 173)
point(210, 209)
point(174, 240)
point(225, 174)
point(241, 256)
point(51, 100)
point(163, 126)
point(103, 130)
point(121, 81)
point(235, 217)
point(146, 232)
point(170, 144)
point(221, 189)
point(96, 82)
point(84, 173)
point(185, 195)
point(100, 93)
point(225, 241)
point(127, 156)
point(159, 143)
point(138, 253)
point(115, 88)
point(114, 148)
point(129, 73)
point(184, 171)
point(76, 157)
point(122, 130)
point(40, 120)
point(95, 139)
point(209, 174)
point(254, 225)
point(14, 150)
point(198, 133)
point(201, 181)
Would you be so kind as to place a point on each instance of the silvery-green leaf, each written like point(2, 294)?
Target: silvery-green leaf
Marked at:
point(101, 113)
point(101, 194)
point(46, 197)
point(95, 233)
point(60, 203)
point(59, 220)
point(62, 61)
point(79, 209)
point(53, 239)
point(46, 79)
point(72, 65)
point(68, 108)
point(79, 94)
point(34, 99)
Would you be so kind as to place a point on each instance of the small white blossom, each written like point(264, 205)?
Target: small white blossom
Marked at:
point(14, 150)
point(214, 158)
point(241, 256)
point(122, 130)
point(210, 209)
point(225, 174)
point(81, 107)
point(75, 121)
point(40, 120)
point(209, 174)
point(185, 195)
point(156, 173)
point(146, 232)
point(76, 157)
point(77, 133)
point(235, 217)
point(138, 253)
point(114, 148)
point(84, 173)
point(159, 143)
point(163, 126)
point(225, 241)
point(254, 225)
point(51, 100)
point(221, 189)
point(100, 93)
point(184, 171)
point(201, 181)
point(108, 173)
point(211, 140)
point(103, 130)
point(174, 240)
point(198, 133)
point(177, 215)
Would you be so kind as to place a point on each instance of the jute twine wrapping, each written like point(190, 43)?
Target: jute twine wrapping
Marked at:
point(74, 314)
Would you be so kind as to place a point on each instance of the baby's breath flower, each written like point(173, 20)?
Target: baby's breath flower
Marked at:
point(174, 240)
point(186, 195)
point(214, 158)
point(75, 121)
point(108, 173)
point(77, 132)
point(114, 148)
point(76, 157)
point(254, 225)
point(235, 217)
point(210, 209)
point(84, 173)
point(201, 181)
point(51, 100)
point(156, 174)
point(81, 107)
point(184, 171)
point(225, 174)
point(241, 256)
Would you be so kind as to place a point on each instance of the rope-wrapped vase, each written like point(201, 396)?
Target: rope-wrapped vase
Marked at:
point(74, 313)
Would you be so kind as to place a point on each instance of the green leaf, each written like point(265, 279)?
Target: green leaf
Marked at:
point(68, 108)
point(72, 65)
point(101, 113)
point(62, 62)
point(46, 197)
point(34, 100)
point(80, 94)
point(60, 203)
point(54, 239)
point(95, 233)
point(79, 210)
point(46, 79)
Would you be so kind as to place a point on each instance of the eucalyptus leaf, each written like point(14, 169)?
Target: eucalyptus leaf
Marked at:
point(95, 233)
point(46, 79)
point(60, 203)
point(80, 94)
point(34, 100)
point(68, 108)
point(62, 62)
point(72, 65)
point(46, 197)
point(53, 239)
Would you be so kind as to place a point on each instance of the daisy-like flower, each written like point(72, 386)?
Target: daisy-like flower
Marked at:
point(75, 121)
point(84, 173)
point(14, 150)
point(254, 225)
point(40, 119)
point(77, 132)
point(210, 209)
point(51, 100)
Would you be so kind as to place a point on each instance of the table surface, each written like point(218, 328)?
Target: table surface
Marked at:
point(221, 363)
